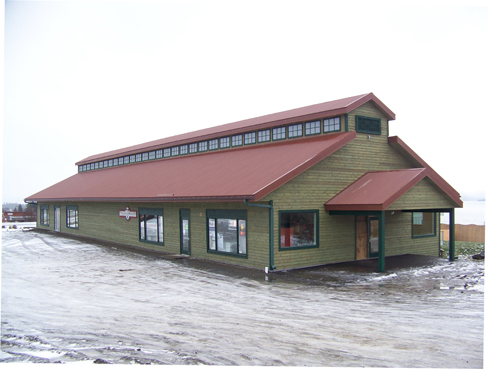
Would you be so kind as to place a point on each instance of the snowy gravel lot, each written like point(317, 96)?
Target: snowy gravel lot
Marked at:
point(68, 301)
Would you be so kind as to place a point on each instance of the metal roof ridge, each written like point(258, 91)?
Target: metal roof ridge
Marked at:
point(359, 97)
point(269, 120)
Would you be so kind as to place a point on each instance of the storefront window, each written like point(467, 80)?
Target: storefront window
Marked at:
point(226, 232)
point(151, 225)
point(298, 229)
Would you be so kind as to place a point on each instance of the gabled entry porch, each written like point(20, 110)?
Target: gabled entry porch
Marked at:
point(409, 193)
point(371, 231)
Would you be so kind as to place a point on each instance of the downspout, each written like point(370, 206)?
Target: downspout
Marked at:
point(271, 230)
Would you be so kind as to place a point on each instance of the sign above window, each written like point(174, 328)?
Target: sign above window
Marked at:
point(127, 213)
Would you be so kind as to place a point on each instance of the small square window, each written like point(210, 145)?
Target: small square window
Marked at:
point(279, 133)
point(110, 162)
point(174, 151)
point(126, 160)
point(184, 149)
point(295, 130)
point(332, 124)
point(202, 146)
point(145, 156)
point(193, 148)
point(96, 165)
point(121, 161)
point(167, 153)
point(312, 128)
point(224, 142)
point(249, 138)
point(264, 136)
point(105, 164)
point(152, 155)
point(213, 144)
point(237, 140)
point(92, 166)
point(159, 154)
point(138, 157)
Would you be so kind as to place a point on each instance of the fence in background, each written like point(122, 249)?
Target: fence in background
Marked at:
point(466, 233)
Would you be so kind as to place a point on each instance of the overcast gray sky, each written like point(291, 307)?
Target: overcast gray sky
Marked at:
point(83, 78)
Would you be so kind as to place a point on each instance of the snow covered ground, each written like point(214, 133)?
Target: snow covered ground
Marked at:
point(70, 301)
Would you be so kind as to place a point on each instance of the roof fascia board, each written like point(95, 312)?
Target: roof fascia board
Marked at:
point(401, 146)
point(251, 128)
point(347, 137)
point(377, 207)
point(146, 199)
point(264, 122)
point(364, 99)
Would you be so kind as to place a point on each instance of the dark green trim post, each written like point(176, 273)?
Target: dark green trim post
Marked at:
point(346, 122)
point(381, 242)
point(452, 236)
point(271, 236)
point(271, 230)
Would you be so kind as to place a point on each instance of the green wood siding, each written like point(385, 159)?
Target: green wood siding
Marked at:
point(308, 191)
point(101, 221)
point(424, 195)
point(311, 189)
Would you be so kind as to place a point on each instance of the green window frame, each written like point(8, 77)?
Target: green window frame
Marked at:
point(312, 128)
point(44, 215)
point(279, 133)
point(332, 124)
point(249, 138)
point(213, 144)
point(264, 135)
point(227, 232)
point(236, 140)
point(299, 229)
point(368, 125)
point(295, 130)
point(151, 226)
point(224, 142)
point(72, 216)
point(424, 224)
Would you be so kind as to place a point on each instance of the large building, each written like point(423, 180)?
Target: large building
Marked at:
point(310, 186)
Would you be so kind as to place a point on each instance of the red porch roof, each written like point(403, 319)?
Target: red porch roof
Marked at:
point(376, 190)
point(228, 175)
point(323, 110)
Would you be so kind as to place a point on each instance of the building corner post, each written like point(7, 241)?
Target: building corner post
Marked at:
point(381, 242)
point(452, 236)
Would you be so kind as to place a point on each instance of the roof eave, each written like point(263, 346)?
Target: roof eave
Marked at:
point(401, 146)
point(236, 198)
point(371, 97)
point(345, 139)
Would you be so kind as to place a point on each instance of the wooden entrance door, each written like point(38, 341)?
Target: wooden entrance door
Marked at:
point(361, 237)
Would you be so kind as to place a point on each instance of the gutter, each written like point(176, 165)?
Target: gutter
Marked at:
point(271, 230)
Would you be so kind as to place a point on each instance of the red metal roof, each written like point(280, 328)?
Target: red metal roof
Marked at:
point(376, 190)
point(403, 148)
point(226, 175)
point(311, 112)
